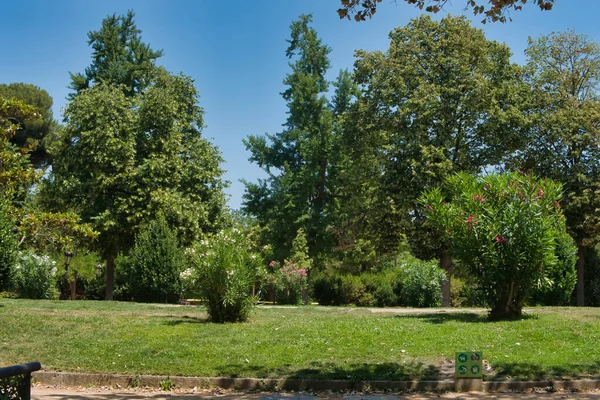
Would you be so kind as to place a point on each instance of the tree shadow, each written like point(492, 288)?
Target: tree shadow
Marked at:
point(532, 372)
point(465, 317)
point(185, 319)
point(318, 370)
point(441, 318)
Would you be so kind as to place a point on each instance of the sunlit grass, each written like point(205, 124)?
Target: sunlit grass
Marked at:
point(304, 342)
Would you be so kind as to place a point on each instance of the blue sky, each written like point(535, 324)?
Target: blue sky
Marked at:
point(235, 51)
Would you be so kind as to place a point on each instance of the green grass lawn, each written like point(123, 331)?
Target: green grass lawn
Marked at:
point(306, 342)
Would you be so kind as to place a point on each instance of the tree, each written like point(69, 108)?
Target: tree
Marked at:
point(563, 139)
point(35, 130)
point(119, 57)
point(120, 161)
point(16, 173)
point(300, 161)
point(133, 146)
point(505, 229)
point(442, 99)
point(154, 266)
point(496, 11)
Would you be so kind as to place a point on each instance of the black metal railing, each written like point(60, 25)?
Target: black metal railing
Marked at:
point(15, 381)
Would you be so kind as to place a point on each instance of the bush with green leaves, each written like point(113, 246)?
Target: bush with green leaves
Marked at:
point(559, 279)
point(421, 284)
point(34, 276)
point(504, 229)
point(8, 247)
point(152, 270)
point(224, 272)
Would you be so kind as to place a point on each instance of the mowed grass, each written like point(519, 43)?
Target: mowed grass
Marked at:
point(304, 342)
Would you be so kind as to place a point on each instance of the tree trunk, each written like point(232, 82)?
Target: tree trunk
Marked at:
point(580, 267)
point(73, 286)
point(446, 265)
point(110, 277)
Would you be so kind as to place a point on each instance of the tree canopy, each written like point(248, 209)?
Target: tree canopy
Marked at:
point(132, 146)
point(33, 131)
point(495, 11)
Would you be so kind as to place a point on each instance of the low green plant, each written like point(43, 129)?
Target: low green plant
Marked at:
point(34, 275)
point(167, 384)
point(224, 273)
point(421, 284)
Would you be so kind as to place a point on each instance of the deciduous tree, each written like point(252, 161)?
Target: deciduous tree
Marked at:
point(495, 11)
point(563, 142)
point(442, 99)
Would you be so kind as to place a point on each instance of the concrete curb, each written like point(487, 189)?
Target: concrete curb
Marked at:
point(71, 379)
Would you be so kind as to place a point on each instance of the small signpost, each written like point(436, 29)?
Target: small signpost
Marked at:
point(468, 373)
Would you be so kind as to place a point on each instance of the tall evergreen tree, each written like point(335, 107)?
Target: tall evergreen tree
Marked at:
point(298, 161)
point(119, 57)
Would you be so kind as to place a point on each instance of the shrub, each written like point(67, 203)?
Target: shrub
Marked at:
point(34, 276)
point(290, 282)
point(154, 265)
point(8, 247)
point(558, 279)
point(224, 273)
point(422, 284)
point(383, 286)
point(327, 288)
point(504, 229)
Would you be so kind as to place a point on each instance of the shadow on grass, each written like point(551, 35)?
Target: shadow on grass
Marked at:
point(441, 318)
point(185, 319)
point(331, 371)
point(531, 372)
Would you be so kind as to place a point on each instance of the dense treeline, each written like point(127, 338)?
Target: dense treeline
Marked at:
point(341, 214)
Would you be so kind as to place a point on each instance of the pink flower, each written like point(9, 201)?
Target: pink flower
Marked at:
point(273, 263)
point(501, 239)
point(541, 193)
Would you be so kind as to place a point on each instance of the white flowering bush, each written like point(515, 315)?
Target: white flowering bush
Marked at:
point(34, 276)
point(224, 272)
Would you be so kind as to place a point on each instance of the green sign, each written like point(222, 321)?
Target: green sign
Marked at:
point(468, 364)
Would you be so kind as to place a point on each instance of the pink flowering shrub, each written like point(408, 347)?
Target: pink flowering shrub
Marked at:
point(508, 232)
point(289, 281)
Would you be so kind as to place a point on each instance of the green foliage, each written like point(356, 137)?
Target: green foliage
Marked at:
point(504, 229)
point(413, 283)
point(563, 139)
point(16, 173)
point(36, 130)
point(119, 57)
point(225, 272)
point(421, 284)
point(441, 99)
point(288, 281)
point(559, 278)
point(494, 11)
point(154, 265)
point(302, 162)
point(167, 384)
point(34, 276)
point(8, 246)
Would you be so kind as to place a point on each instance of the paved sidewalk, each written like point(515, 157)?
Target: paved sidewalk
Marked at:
point(51, 393)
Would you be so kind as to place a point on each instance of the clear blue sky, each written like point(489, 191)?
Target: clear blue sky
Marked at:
point(235, 51)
